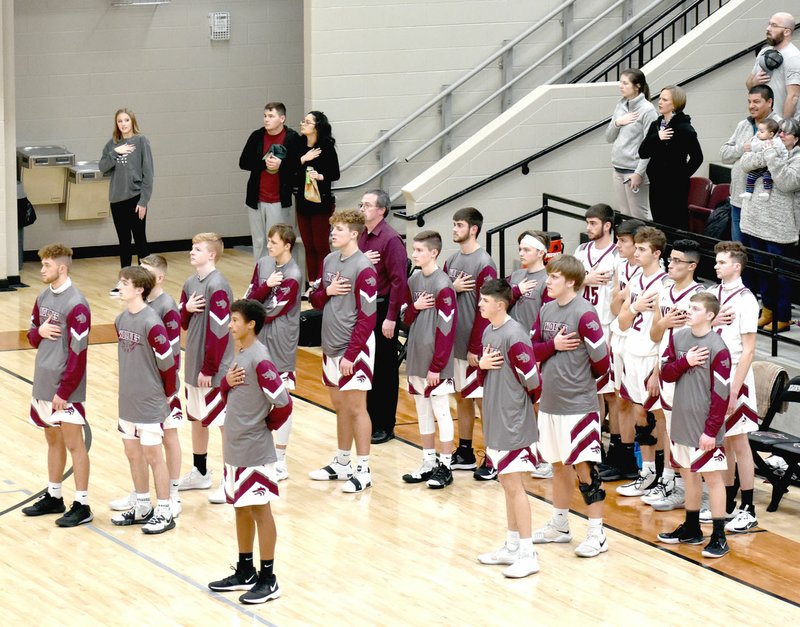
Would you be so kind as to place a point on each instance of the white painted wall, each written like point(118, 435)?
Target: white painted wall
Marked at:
point(581, 170)
point(78, 61)
point(370, 64)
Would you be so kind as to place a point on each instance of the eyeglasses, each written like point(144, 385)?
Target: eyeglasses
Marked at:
point(311, 122)
point(366, 204)
point(780, 26)
point(676, 260)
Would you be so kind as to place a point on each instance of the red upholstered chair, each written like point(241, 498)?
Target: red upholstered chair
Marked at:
point(698, 213)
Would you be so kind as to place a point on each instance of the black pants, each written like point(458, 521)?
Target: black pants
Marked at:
point(127, 223)
point(382, 398)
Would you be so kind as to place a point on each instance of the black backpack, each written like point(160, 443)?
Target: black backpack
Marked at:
point(718, 225)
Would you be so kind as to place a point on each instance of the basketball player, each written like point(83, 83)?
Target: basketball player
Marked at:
point(737, 324)
point(257, 403)
point(699, 364)
point(641, 368)
point(276, 284)
point(468, 269)
point(59, 330)
point(528, 293)
point(147, 375)
point(167, 309)
point(670, 316)
point(600, 259)
point(347, 293)
point(430, 313)
point(205, 314)
point(511, 385)
point(621, 459)
point(572, 351)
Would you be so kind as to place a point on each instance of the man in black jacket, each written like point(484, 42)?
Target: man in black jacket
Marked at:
point(268, 156)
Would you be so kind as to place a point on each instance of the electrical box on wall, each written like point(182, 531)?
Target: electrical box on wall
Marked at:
point(219, 22)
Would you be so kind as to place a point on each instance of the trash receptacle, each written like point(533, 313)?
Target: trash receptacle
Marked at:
point(44, 172)
point(87, 192)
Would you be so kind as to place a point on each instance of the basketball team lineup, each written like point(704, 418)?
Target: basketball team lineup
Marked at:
point(142, 344)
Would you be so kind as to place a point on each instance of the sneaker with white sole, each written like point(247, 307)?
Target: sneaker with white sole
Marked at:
point(262, 592)
point(744, 521)
point(717, 547)
point(594, 544)
point(463, 459)
point(676, 500)
point(195, 480)
point(550, 533)
point(542, 471)
point(237, 581)
point(360, 481)
point(442, 477)
point(503, 555)
point(159, 522)
point(638, 486)
point(524, 565)
point(333, 472)
point(134, 516)
point(217, 497)
point(421, 474)
point(281, 471)
point(706, 517)
point(175, 506)
point(661, 490)
point(681, 535)
point(123, 504)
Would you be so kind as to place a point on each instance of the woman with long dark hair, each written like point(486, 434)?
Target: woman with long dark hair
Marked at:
point(675, 154)
point(318, 162)
point(128, 156)
point(629, 123)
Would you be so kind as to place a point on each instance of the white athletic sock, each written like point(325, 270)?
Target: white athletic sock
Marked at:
point(560, 519)
point(446, 459)
point(173, 488)
point(525, 547)
point(678, 481)
point(668, 475)
point(363, 463)
point(54, 490)
point(143, 500)
point(512, 539)
point(162, 507)
point(342, 457)
point(82, 496)
point(648, 468)
point(429, 457)
point(281, 453)
point(595, 524)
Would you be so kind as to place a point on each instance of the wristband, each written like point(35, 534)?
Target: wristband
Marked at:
point(632, 310)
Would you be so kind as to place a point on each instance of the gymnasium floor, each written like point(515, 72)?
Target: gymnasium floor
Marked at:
point(394, 555)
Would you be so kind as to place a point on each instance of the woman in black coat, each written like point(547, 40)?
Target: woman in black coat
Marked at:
point(675, 154)
point(319, 162)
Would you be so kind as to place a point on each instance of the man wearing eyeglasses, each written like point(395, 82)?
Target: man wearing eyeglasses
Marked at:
point(385, 249)
point(782, 76)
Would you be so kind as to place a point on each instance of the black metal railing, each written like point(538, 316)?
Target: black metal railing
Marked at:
point(524, 164)
point(759, 263)
point(649, 41)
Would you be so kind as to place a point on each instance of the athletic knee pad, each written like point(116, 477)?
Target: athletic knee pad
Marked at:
point(592, 492)
point(424, 415)
point(441, 409)
point(644, 433)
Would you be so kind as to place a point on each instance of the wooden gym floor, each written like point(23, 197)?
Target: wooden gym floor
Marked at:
point(393, 555)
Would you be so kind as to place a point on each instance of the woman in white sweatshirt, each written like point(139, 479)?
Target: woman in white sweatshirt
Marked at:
point(632, 116)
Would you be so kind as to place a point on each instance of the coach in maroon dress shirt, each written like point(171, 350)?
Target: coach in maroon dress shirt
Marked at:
point(384, 247)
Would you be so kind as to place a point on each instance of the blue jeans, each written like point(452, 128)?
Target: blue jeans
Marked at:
point(736, 232)
point(774, 291)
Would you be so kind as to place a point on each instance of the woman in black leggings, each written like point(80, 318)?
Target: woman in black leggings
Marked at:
point(127, 155)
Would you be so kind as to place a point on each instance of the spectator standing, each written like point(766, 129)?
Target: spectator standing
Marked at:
point(781, 71)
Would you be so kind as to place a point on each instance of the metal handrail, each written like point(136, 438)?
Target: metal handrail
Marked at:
point(446, 92)
point(525, 72)
point(639, 36)
point(524, 163)
point(366, 180)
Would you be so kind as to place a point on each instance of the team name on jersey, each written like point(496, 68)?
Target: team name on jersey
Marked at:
point(129, 340)
point(55, 316)
point(551, 328)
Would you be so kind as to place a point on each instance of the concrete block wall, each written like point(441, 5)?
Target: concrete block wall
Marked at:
point(581, 170)
point(369, 65)
point(196, 100)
